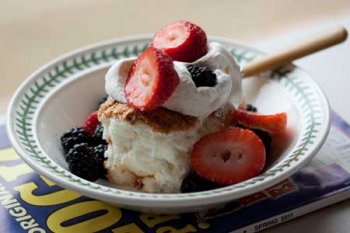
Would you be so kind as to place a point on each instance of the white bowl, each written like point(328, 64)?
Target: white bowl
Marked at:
point(61, 94)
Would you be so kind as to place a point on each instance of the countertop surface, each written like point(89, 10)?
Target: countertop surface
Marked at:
point(35, 32)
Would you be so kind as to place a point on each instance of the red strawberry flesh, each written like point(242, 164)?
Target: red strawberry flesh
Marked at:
point(172, 37)
point(151, 80)
point(182, 40)
point(274, 123)
point(229, 156)
point(91, 123)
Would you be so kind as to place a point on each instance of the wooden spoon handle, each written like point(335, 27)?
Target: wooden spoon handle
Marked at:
point(285, 56)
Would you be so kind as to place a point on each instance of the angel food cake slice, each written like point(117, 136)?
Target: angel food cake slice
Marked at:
point(150, 150)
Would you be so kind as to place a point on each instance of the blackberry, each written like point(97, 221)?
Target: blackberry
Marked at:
point(251, 108)
point(101, 101)
point(83, 162)
point(99, 152)
point(202, 76)
point(74, 136)
point(195, 183)
point(265, 138)
point(98, 135)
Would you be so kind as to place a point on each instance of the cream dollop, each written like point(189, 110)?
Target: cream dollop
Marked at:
point(187, 98)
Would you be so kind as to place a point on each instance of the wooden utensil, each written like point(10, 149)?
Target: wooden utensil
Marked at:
point(291, 53)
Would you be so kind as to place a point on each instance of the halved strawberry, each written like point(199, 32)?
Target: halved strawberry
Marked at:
point(228, 156)
point(151, 80)
point(182, 40)
point(274, 123)
point(91, 123)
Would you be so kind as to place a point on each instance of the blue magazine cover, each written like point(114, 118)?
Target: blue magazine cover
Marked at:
point(31, 203)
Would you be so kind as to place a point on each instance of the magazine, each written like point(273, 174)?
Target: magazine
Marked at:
point(32, 203)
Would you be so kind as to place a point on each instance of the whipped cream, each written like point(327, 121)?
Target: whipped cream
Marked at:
point(187, 98)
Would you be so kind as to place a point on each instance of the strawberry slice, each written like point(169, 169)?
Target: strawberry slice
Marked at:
point(182, 40)
point(151, 80)
point(228, 156)
point(275, 123)
point(91, 123)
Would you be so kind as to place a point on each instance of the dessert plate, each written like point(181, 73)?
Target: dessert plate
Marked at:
point(62, 93)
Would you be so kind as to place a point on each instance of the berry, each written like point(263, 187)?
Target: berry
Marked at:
point(101, 101)
point(263, 135)
point(74, 136)
point(83, 162)
point(202, 76)
point(251, 108)
point(265, 138)
point(228, 156)
point(182, 40)
point(274, 123)
point(152, 79)
point(248, 108)
point(91, 123)
point(99, 152)
point(195, 183)
point(98, 135)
